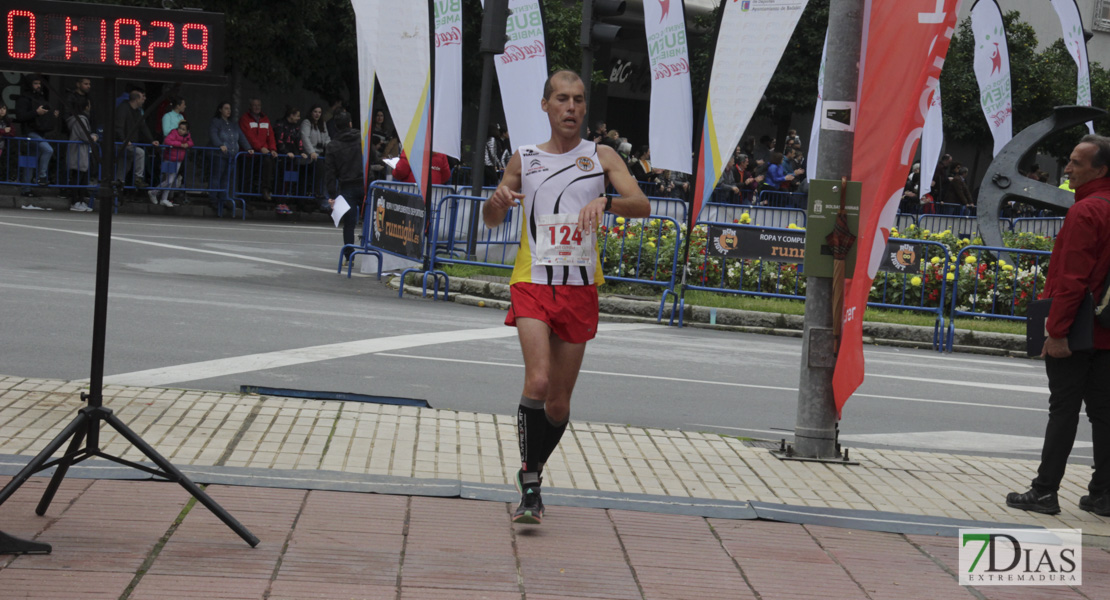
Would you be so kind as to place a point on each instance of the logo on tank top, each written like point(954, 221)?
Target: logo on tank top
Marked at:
point(585, 163)
point(535, 166)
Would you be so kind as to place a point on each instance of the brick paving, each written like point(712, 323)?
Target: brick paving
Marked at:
point(123, 539)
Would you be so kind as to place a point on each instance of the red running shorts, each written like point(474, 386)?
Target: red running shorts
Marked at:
point(569, 310)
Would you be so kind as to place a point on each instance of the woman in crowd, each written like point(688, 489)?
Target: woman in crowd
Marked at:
point(77, 155)
point(314, 136)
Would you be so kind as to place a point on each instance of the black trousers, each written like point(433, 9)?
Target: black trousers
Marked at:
point(1082, 378)
point(353, 195)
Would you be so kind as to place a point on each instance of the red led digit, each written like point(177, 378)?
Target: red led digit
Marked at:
point(69, 38)
point(103, 40)
point(166, 44)
point(30, 53)
point(202, 46)
point(134, 43)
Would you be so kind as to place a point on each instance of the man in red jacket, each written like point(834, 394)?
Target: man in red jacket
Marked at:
point(1079, 264)
point(260, 134)
point(440, 168)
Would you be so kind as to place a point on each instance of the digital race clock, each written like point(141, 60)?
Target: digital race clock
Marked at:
point(112, 41)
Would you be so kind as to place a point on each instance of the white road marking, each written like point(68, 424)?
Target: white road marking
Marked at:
point(116, 238)
point(955, 440)
point(146, 224)
point(1029, 389)
point(1019, 363)
point(283, 358)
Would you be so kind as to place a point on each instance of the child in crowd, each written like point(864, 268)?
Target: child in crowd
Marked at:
point(173, 155)
point(77, 154)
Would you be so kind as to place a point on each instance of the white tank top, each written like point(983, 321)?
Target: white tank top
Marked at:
point(557, 184)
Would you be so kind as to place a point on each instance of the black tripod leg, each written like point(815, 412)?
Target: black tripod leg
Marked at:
point(180, 477)
point(14, 545)
point(63, 466)
point(78, 424)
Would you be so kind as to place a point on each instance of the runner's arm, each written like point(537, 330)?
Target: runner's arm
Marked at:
point(631, 203)
point(505, 196)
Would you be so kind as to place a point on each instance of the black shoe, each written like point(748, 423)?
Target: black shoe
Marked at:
point(530, 511)
point(519, 480)
point(43, 182)
point(140, 184)
point(1034, 501)
point(29, 194)
point(1099, 506)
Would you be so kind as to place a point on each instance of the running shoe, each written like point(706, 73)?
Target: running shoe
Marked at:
point(530, 511)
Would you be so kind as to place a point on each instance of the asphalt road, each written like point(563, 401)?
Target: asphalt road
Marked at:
point(213, 304)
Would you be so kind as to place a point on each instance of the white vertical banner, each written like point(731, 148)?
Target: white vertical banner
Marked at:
point(750, 42)
point(992, 70)
point(1072, 24)
point(521, 73)
point(815, 130)
point(403, 61)
point(671, 121)
point(447, 115)
point(932, 140)
point(366, 14)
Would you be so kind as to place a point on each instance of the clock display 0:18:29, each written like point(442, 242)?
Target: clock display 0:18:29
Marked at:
point(121, 42)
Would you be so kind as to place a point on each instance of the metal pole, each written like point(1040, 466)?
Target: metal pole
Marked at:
point(815, 425)
point(587, 74)
point(103, 245)
point(477, 159)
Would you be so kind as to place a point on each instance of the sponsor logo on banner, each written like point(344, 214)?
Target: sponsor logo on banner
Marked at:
point(902, 258)
point(521, 73)
point(399, 223)
point(992, 70)
point(1021, 557)
point(757, 242)
point(584, 163)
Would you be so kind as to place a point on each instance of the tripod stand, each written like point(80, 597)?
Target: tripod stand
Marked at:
point(85, 428)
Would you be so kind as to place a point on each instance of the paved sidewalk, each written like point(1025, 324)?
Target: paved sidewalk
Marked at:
point(633, 512)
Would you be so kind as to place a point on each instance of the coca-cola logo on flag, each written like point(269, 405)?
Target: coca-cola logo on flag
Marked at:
point(664, 70)
point(450, 37)
point(516, 53)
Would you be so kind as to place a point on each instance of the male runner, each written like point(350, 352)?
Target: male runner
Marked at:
point(560, 185)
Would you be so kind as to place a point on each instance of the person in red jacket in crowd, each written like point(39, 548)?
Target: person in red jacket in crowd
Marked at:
point(260, 134)
point(1079, 264)
point(441, 169)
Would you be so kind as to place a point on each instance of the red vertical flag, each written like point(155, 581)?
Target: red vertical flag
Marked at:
point(904, 45)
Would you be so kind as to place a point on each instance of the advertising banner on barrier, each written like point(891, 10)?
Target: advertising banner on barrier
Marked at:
point(521, 73)
point(902, 258)
point(402, 58)
point(751, 39)
point(366, 12)
point(932, 140)
point(399, 222)
point(447, 134)
point(671, 120)
point(904, 48)
point(1072, 24)
point(757, 242)
point(992, 70)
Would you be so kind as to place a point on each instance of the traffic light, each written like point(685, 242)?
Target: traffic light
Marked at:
point(494, 23)
point(597, 33)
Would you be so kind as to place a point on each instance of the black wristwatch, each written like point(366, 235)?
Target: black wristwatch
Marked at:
point(608, 203)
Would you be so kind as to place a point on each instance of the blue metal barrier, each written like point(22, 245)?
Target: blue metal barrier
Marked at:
point(995, 290)
point(630, 251)
point(903, 220)
point(668, 207)
point(64, 171)
point(780, 199)
point(285, 178)
point(493, 247)
point(726, 275)
point(766, 216)
point(1046, 226)
point(897, 290)
point(945, 209)
point(961, 227)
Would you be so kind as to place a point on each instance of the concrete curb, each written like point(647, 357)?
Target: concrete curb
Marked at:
point(493, 294)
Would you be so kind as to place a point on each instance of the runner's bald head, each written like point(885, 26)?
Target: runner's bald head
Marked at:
point(562, 75)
